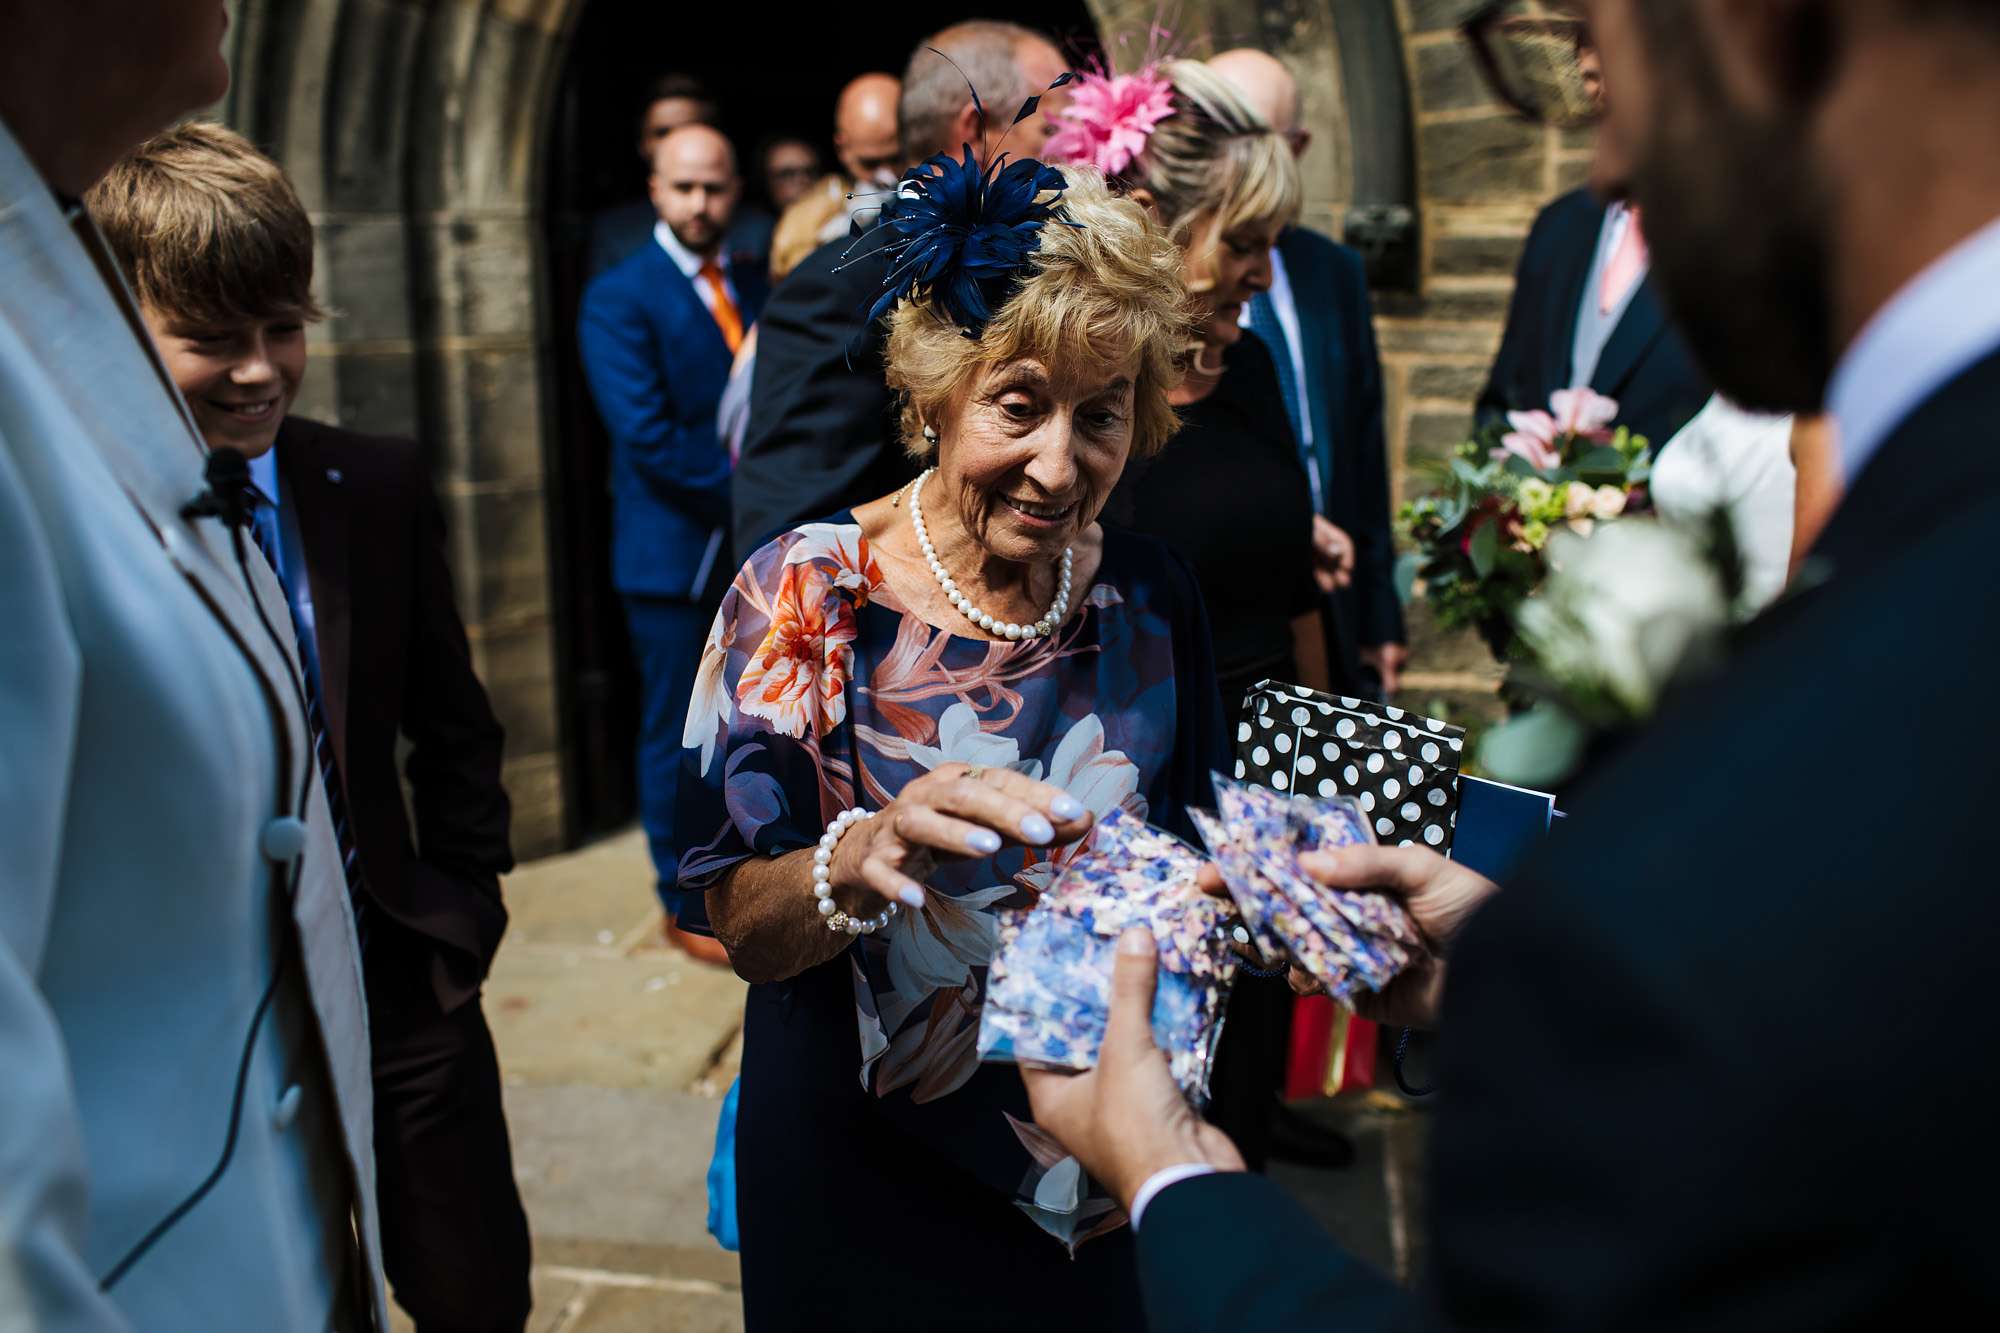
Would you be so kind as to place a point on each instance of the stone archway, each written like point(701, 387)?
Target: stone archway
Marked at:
point(416, 130)
point(412, 130)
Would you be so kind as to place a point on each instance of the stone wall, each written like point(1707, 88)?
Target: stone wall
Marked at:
point(412, 128)
point(1482, 176)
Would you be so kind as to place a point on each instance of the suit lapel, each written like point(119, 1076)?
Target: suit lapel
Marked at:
point(1922, 473)
point(679, 289)
point(1645, 319)
point(320, 507)
point(1572, 274)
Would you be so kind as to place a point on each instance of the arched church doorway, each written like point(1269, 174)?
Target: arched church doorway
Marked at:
point(775, 72)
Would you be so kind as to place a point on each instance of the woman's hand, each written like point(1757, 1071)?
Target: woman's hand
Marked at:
point(952, 812)
point(1333, 555)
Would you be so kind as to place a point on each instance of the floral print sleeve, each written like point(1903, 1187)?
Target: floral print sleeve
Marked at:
point(769, 757)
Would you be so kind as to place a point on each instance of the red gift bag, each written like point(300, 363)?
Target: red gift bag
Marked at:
point(1332, 1050)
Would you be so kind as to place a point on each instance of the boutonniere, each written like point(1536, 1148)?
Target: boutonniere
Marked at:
point(1628, 613)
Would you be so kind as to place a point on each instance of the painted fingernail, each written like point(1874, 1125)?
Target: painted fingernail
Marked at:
point(984, 841)
point(911, 897)
point(1066, 806)
point(1038, 830)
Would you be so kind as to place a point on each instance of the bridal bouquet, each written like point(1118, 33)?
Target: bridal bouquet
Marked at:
point(1480, 543)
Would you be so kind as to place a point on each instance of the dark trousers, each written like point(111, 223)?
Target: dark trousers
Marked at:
point(667, 639)
point(454, 1236)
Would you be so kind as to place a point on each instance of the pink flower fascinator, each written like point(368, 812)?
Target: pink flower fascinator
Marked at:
point(1110, 117)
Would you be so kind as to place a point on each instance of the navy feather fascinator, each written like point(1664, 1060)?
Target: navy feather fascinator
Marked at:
point(959, 235)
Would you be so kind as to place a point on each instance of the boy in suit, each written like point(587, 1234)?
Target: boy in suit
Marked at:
point(219, 251)
point(658, 333)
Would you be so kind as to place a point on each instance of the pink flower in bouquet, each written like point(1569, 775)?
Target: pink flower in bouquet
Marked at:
point(1583, 413)
point(1608, 502)
point(1109, 118)
point(1577, 500)
point(1533, 438)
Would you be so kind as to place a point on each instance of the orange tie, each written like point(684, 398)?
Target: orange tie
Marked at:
point(727, 317)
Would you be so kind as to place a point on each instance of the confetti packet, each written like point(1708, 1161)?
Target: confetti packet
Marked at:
point(1048, 987)
point(1256, 898)
point(1136, 875)
point(1343, 939)
point(1049, 995)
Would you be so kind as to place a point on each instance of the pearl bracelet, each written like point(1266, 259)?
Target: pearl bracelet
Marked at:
point(837, 920)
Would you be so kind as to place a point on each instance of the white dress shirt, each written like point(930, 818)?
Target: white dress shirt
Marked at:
point(1942, 322)
point(690, 263)
point(1159, 1180)
point(1740, 463)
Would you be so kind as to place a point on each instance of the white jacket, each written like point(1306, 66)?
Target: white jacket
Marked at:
point(149, 736)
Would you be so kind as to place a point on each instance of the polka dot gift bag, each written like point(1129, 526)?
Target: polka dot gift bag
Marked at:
point(1402, 768)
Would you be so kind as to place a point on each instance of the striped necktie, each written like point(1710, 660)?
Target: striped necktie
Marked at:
point(264, 528)
point(1265, 324)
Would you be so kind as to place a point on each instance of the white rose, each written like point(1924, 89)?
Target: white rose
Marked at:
point(1625, 608)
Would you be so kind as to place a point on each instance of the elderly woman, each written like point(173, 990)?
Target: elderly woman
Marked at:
point(908, 715)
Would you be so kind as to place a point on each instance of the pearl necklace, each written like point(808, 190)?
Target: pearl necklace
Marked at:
point(1004, 629)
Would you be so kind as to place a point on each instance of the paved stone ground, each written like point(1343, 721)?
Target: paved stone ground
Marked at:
point(616, 1052)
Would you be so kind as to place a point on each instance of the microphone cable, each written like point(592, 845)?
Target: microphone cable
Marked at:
point(231, 498)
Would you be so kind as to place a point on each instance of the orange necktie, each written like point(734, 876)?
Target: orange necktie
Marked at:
point(727, 317)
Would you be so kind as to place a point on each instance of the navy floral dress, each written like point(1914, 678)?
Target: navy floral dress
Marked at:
point(868, 1131)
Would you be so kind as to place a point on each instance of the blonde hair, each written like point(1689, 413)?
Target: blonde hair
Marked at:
point(1214, 160)
point(207, 228)
point(801, 226)
point(1102, 299)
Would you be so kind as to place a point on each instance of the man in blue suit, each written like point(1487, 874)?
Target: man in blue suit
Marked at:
point(658, 332)
point(1319, 325)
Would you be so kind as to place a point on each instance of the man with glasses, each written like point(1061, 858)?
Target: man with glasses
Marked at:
point(1585, 310)
point(1657, 1110)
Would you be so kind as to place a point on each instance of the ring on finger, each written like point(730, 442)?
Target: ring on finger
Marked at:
point(973, 771)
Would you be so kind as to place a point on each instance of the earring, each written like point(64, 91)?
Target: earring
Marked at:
point(930, 436)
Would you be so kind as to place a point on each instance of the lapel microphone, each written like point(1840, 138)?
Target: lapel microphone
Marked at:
point(230, 494)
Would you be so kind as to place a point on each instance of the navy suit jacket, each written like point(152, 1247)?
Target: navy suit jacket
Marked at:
point(1646, 365)
point(1344, 394)
point(657, 365)
point(1657, 1040)
point(395, 667)
point(823, 434)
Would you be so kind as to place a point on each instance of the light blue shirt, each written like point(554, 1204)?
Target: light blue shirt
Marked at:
point(1939, 325)
point(291, 557)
